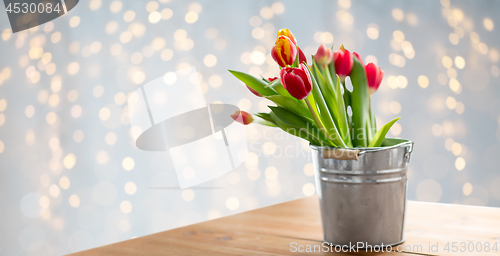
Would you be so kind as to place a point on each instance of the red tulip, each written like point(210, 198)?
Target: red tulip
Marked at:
point(302, 56)
point(358, 56)
point(242, 117)
point(284, 51)
point(374, 77)
point(343, 62)
point(324, 55)
point(296, 81)
point(254, 91)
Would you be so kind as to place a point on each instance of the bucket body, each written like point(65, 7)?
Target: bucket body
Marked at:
point(363, 198)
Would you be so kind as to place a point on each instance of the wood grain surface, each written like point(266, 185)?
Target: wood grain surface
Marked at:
point(280, 229)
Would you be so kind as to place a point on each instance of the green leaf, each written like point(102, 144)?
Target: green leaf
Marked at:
point(265, 116)
point(265, 119)
point(342, 117)
point(264, 79)
point(389, 142)
point(266, 123)
point(313, 104)
point(326, 91)
point(359, 104)
point(290, 118)
point(331, 69)
point(380, 135)
point(325, 115)
point(331, 78)
point(290, 104)
point(294, 131)
point(254, 83)
point(347, 97)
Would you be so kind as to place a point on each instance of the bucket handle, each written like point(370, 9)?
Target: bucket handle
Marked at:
point(341, 154)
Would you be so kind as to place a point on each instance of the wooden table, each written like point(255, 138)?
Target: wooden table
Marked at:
point(273, 230)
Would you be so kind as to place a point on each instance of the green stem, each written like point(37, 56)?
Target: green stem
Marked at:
point(347, 98)
point(369, 122)
point(330, 80)
point(316, 119)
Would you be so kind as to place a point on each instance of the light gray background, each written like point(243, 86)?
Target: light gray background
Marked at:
point(43, 214)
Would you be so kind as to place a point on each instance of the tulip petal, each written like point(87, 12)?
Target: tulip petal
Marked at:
point(278, 87)
point(242, 117)
point(302, 56)
point(294, 85)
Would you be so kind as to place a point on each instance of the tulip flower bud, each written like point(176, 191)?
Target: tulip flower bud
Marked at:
point(359, 57)
point(284, 51)
point(324, 55)
point(272, 79)
point(343, 62)
point(302, 56)
point(374, 77)
point(254, 91)
point(296, 81)
point(287, 33)
point(242, 117)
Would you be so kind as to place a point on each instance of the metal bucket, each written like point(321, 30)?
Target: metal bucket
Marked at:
point(362, 193)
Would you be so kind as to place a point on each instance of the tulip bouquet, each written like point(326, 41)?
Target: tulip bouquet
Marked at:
point(312, 101)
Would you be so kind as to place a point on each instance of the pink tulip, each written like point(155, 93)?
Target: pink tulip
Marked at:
point(374, 76)
point(324, 55)
point(296, 81)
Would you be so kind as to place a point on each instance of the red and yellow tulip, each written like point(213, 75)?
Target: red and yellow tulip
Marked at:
point(286, 32)
point(284, 51)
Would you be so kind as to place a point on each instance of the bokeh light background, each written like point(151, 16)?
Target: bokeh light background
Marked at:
point(71, 178)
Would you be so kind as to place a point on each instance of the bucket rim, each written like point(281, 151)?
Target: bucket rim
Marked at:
point(402, 143)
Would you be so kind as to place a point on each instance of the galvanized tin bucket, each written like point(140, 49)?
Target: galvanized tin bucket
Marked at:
point(362, 193)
